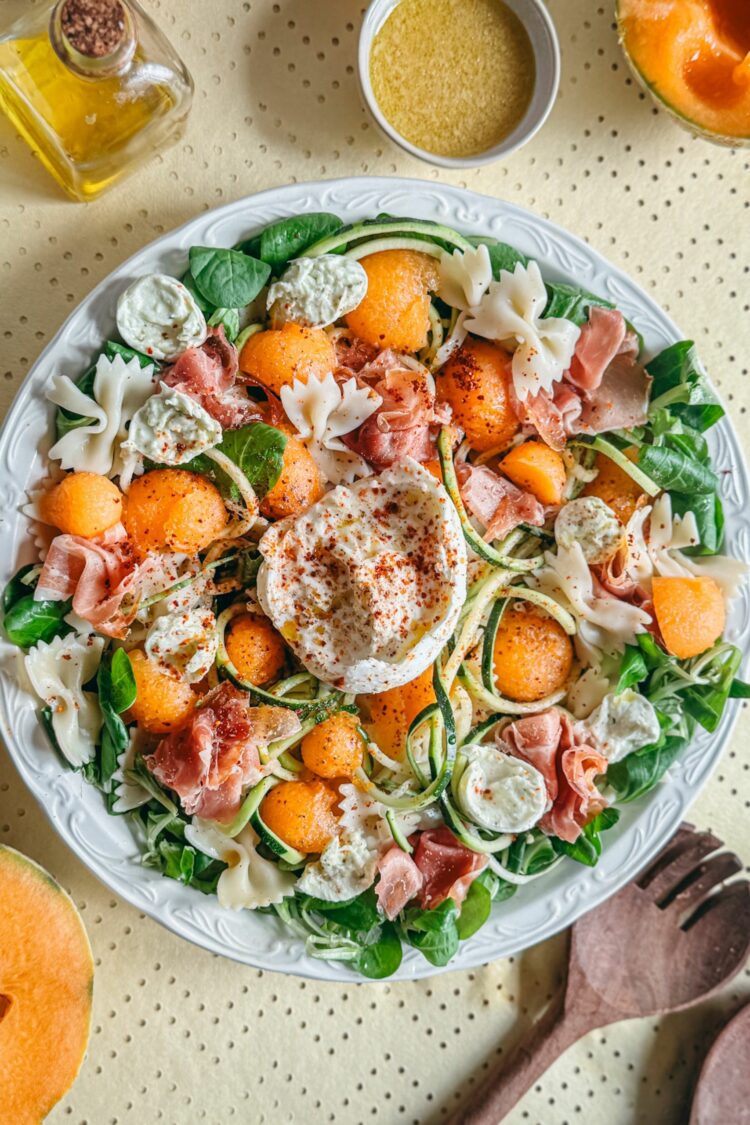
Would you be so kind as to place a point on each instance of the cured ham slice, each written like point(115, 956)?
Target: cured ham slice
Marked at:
point(95, 573)
point(601, 339)
point(209, 761)
point(554, 745)
point(495, 501)
point(621, 399)
point(208, 374)
point(404, 425)
point(400, 880)
point(448, 868)
point(353, 353)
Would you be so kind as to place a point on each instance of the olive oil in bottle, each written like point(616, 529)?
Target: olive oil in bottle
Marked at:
point(95, 88)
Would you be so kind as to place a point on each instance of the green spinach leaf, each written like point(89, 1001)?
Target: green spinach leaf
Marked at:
point(227, 278)
point(588, 847)
point(675, 471)
point(19, 586)
point(258, 450)
point(633, 668)
point(289, 238)
point(116, 688)
point(739, 690)
point(502, 256)
point(380, 958)
point(637, 774)
point(475, 910)
point(28, 621)
point(433, 932)
point(709, 518)
point(229, 320)
point(571, 302)
point(681, 385)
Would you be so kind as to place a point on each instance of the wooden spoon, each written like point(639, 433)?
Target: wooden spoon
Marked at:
point(660, 944)
point(723, 1090)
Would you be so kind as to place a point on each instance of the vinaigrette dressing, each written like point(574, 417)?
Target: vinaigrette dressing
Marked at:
point(454, 77)
point(92, 117)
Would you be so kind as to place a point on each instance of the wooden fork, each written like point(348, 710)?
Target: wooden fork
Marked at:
point(662, 943)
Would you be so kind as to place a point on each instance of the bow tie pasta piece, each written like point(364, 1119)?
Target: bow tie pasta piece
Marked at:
point(250, 881)
point(58, 671)
point(119, 390)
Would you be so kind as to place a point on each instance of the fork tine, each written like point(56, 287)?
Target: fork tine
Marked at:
point(695, 887)
point(733, 899)
point(684, 852)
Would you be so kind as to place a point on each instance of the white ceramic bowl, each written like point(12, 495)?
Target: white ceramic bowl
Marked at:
point(541, 30)
point(106, 844)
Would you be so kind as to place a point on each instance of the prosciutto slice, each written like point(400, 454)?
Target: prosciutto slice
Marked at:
point(95, 573)
point(208, 374)
point(353, 353)
point(553, 744)
point(601, 339)
point(496, 502)
point(404, 425)
point(621, 399)
point(211, 759)
point(448, 868)
point(552, 417)
point(400, 880)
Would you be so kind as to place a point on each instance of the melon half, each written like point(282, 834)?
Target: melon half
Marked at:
point(694, 57)
point(46, 985)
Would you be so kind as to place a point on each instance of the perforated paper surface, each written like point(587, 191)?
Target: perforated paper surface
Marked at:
point(181, 1036)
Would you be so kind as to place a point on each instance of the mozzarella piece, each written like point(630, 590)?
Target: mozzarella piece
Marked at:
point(501, 793)
point(184, 642)
point(172, 428)
point(157, 315)
point(623, 723)
point(367, 585)
point(346, 868)
point(58, 671)
point(317, 291)
point(591, 523)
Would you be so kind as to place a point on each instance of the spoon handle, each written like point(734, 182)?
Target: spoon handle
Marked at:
point(552, 1034)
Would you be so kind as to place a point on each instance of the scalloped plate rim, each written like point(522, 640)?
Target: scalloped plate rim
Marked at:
point(585, 888)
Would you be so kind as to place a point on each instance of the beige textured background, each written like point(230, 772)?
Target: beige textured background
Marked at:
point(180, 1036)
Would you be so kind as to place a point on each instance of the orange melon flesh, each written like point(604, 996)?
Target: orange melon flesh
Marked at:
point(691, 614)
point(392, 712)
point(46, 985)
point(694, 55)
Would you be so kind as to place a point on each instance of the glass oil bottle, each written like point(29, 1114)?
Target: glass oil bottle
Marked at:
point(95, 88)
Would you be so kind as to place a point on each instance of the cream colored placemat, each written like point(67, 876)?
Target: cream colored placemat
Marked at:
point(179, 1035)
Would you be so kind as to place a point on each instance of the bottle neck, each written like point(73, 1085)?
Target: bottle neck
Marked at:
point(93, 38)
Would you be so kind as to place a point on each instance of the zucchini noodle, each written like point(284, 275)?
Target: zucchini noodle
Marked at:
point(379, 244)
point(513, 877)
point(487, 698)
point(601, 445)
point(235, 474)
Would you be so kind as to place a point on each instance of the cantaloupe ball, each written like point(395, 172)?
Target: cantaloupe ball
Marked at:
point(302, 813)
point(537, 469)
point(691, 614)
point(255, 648)
point(278, 356)
point(85, 504)
point(394, 313)
point(163, 702)
point(334, 747)
point(173, 510)
point(613, 485)
point(475, 382)
point(533, 653)
point(298, 487)
point(392, 712)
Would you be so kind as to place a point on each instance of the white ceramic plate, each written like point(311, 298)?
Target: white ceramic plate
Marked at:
point(105, 843)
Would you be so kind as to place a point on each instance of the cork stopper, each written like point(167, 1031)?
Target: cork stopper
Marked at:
point(94, 29)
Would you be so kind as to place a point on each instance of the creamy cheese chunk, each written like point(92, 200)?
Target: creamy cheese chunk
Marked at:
point(366, 586)
point(500, 792)
point(591, 523)
point(317, 291)
point(171, 428)
point(622, 724)
point(157, 315)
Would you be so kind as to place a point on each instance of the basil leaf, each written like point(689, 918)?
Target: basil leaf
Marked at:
point(381, 958)
point(227, 278)
point(674, 471)
point(681, 385)
point(475, 910)
point(433, 932)
point(258, 450)
point(229, 319)
point(633, 669)
point(289, 238)
point(572, 303)
point(28, 621)
point(17, 588)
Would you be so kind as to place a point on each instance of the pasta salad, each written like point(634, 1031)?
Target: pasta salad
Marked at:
point(376, 572)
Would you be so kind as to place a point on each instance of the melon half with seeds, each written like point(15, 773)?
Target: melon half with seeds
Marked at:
point(46, 985)
point(694, 57)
